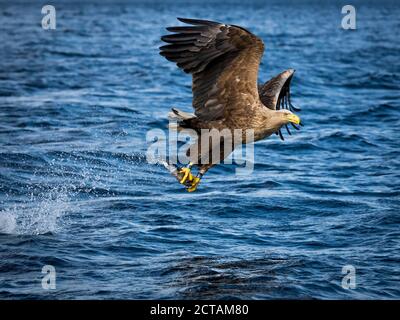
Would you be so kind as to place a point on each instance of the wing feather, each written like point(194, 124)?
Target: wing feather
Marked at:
point(223, 60)
point(275, 95)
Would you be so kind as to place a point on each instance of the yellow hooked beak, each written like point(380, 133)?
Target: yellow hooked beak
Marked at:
point(293, 118)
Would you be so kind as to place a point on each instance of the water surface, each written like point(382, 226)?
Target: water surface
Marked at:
point(76, 191)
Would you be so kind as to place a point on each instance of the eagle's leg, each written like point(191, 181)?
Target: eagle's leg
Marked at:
point(186, 173)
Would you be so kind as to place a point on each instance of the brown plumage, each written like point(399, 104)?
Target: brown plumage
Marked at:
point(223, 61)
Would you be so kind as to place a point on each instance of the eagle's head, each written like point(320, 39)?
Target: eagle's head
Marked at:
point(282, 117)
point(289, 117)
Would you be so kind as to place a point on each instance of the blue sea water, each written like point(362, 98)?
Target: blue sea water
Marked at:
point(77, 193)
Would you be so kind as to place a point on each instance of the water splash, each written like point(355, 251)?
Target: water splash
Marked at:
point(8, 223)
point(41, 214)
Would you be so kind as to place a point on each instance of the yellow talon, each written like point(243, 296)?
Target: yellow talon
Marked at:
point(187, 175)
point(195, 183)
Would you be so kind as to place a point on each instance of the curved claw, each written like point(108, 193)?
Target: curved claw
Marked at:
point(195, 183)
point(187, 175)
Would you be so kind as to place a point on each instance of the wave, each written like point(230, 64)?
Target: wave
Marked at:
point(336, 137)
point(377, 112)
point(219, 278)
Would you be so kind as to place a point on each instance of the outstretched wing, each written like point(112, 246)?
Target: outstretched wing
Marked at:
point(223, 60)
point(275, 95)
